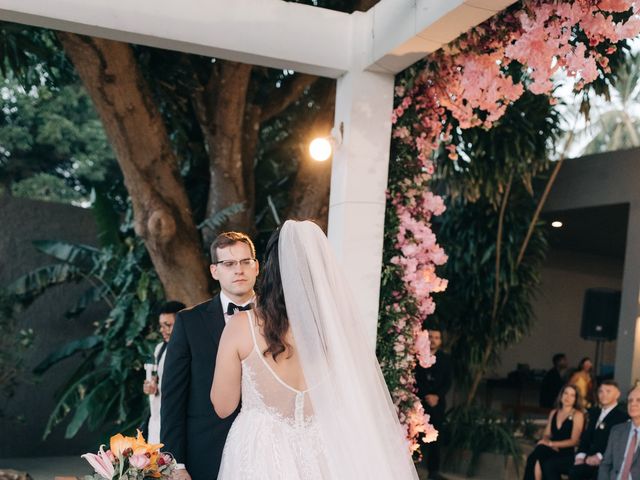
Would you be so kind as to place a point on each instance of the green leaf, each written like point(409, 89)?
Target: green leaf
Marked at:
point(107, 219)
point(138, 322)
point(37, 281)
point(218, 219)
point(82, 256)
point(66, 351)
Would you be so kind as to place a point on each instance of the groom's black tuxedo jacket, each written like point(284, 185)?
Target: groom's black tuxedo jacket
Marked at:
point(594, 440)
point(190, 428)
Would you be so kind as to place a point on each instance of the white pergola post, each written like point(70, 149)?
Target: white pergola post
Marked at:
point(627, 366)
point(364, 103)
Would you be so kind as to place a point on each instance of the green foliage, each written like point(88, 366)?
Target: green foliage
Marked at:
point(505, 164)
point(480, 430)
point(33, 56)
point(14, 343)
point(105, 388)
point(52, 144)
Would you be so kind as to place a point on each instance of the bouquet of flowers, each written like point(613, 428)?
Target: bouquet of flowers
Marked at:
point(130, 458)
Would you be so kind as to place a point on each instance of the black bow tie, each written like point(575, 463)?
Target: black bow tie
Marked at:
point(232, 308)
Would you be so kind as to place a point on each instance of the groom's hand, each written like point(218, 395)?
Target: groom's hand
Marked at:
point(180, 474)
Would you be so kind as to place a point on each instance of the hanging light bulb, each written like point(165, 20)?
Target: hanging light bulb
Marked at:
point(320, 149)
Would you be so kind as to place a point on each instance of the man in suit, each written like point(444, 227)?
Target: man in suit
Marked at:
point(620, 460)
point(433, 384)
point(190, 428)
point(593, 441)
point(553, 381)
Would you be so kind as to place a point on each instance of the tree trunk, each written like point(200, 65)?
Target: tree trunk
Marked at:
point(250, 138)
point(220, 107)
point(135, 128)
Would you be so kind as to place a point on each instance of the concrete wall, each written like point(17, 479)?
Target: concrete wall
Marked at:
point(607, 179)
point(21, 222)
point(558, 312)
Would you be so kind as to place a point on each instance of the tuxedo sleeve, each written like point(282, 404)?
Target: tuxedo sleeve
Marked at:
point(587, 434)
point(175, 388)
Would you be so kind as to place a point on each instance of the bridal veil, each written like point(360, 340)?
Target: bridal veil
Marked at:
point(349, 397)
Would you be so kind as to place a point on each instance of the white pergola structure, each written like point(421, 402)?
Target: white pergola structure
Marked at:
point(363, 51)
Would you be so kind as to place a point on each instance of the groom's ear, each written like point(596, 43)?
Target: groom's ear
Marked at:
point(213, 269)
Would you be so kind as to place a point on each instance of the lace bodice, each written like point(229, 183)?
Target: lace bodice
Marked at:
point(275, 436)
point(264, 391)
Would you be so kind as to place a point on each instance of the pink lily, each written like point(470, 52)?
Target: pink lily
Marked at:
point(101, 463)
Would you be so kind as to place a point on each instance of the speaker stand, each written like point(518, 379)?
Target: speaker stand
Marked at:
point(599, 355)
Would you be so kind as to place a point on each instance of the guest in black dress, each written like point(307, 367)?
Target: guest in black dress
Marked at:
point(561, 435)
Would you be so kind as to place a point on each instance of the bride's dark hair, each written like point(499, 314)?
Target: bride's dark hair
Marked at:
point(270, 300)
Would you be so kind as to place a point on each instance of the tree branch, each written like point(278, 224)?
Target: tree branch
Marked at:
point(290, 93)
point(503, 208)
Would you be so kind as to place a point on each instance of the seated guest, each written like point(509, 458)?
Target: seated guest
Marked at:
point(167, 317)
point(561, 435)
point(594, 439)
point(583, 379)
point(553, 381)
point(620, 460)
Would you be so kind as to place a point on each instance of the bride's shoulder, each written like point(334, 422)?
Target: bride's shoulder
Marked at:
point(237, 333)
point(238, 325)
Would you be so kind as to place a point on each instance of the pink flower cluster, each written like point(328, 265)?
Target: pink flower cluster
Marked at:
point(470, 81)
point(548, 42)
point(418, 256)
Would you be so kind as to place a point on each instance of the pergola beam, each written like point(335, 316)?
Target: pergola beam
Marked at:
point(270, 33)
point(405, 31)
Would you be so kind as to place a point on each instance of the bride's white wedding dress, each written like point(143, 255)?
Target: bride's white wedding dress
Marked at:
point(346, 426)
point(275, 435)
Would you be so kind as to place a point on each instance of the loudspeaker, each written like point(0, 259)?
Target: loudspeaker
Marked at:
point(600, 314)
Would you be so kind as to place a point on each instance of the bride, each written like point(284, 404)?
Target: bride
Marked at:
point(314, 402)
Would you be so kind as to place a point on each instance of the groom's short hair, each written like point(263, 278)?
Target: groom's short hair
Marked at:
point(226, 239)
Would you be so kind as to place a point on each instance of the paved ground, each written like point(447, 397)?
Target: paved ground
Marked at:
point(47, 468)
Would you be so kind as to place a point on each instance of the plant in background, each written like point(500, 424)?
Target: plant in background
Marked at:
point(480, 430)
point(492, 233)
point(106, 385)
point(105, 388)
point(14, 343)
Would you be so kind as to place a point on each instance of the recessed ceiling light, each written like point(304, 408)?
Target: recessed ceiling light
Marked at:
point(556, 224)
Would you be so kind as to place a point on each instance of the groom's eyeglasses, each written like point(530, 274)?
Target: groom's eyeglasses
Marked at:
point(244, 263)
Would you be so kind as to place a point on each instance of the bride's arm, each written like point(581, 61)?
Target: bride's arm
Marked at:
point(225, 390)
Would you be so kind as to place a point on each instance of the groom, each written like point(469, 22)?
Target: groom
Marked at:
point(190, 428)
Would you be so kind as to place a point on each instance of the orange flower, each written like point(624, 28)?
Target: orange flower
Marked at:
point(142, 447)
point(119, 444)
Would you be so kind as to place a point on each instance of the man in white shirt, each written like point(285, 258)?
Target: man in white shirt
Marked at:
point(167, 317)
point(620, 460)
point(593, 441)
point(190, 429)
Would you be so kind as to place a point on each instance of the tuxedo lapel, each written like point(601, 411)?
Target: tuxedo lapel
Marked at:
point(214, 320)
